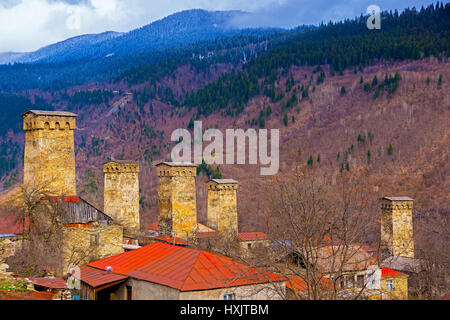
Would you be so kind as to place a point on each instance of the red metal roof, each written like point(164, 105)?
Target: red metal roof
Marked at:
point(203, 235)
point(12, 224)
point(298, 283)
point(52, 283)
point(68, 199)
point(301, 285)
point(8, 295)
point(96, 278)
point(252, 236)
point(446, 296)
point(386, 272)
point(183, 268)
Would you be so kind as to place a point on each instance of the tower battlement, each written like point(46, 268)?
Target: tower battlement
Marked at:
point(222, 205)
point(397, 237)
point(50, 120)
point(121, 166)
point(121, 193)
point(176, 169)
point(177, 207)
point(49, 160)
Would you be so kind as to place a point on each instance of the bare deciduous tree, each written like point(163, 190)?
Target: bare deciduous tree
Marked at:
point(41, 244)
point(432, 239)
point(317, 226)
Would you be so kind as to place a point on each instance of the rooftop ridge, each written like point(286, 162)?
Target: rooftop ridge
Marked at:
point(401, 198)
point(179, 267)
point(50, 113)
point(177, 164)
point(223, 181)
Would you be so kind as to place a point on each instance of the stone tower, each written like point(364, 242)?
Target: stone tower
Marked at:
point(222, 205)
point(121, 193)
point(49, 161)
point(177, 209)
point(397, 227)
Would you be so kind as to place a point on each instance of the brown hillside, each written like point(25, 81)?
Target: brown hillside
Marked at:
point(414, 120)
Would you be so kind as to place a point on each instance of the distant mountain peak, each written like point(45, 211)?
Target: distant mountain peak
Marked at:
point(178, 29)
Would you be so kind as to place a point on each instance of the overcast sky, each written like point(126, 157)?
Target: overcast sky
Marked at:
point(26, 25)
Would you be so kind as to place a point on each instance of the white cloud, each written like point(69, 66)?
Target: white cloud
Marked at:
point(26, 25)
point(31, 24)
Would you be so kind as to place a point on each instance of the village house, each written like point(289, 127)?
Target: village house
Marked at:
point(170, 265)
point(356, 267)
point(394, 284)
point(10, 236)
point(162, 271)
point(89, 233)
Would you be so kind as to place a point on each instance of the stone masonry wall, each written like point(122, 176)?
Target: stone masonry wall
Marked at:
point(222, 207)
point(93, 242)
point(266, 291)
point(400, 291)
point(177, 210)
point(397, 228)
point(49, 160)
point(121, 193)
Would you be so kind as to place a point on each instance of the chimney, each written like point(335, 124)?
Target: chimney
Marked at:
point(49, 158)
point(397, 238)
point(222, 205)
point(121, 194)
point(177, 207)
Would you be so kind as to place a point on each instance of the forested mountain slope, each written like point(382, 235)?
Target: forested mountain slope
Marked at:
point(345, 98)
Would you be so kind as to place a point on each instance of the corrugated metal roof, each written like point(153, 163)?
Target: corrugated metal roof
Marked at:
point(206, 234)
point(96, 278)
point(76, 210)
point(52, 283)
point(299, 284)
point(403, 264)
point(28, 295)
point(351, 258)
point(386, 272)
point(183, 268)
point(252, 236)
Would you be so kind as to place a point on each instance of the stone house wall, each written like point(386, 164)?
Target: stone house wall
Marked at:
point(144, 290)
point(400, 291)
point(90, 242)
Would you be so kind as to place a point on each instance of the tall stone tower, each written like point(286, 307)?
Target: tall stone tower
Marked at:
point(177, 209)
point(222, 206)
point(121, 193)
point(49, 161)
point(397, 227)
